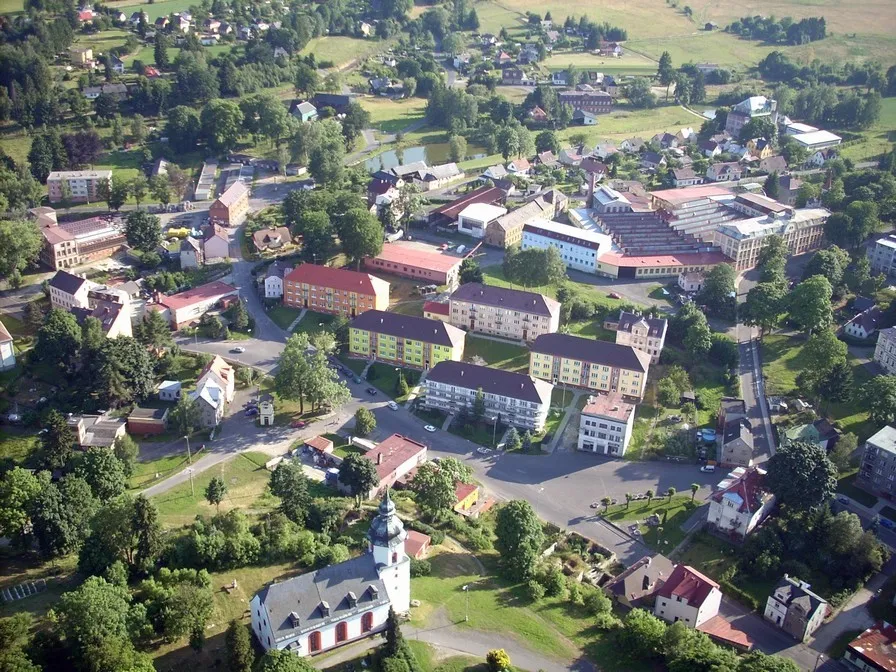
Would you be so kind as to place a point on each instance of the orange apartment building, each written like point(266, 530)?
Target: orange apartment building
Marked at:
point(336, 291)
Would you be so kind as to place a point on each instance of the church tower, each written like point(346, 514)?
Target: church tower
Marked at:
point(386, 537)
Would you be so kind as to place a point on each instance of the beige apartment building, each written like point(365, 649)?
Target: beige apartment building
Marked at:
point(84, 186)
point(498, 311)
point(741, 241)
point(647, 334)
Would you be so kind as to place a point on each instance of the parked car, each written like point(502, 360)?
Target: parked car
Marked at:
point(887, 523)
point(298, 424)
point(708, 468)
point(674, 419)
point(371, 391)
point(614, 295)
point(251, 411)
point(429, 428)
point(357, 379)
point(238, 349)
point(392, 405)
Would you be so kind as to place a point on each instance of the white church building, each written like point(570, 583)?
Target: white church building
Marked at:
point(324, 609)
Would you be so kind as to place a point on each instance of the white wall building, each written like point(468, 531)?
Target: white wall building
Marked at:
point(273, 280)
point(740, 503)
point(795, 609)
point(69, 291)
point(687, 596)
point(605, 425)
point(882, 255)
point(516, 398)
point(317, 611)
point(885, 350)
point(578, 248)
point(474, 219)
point(7, 349)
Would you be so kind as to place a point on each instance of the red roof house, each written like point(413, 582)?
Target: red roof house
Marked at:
point(336, 291)
point(687, 596)
point(417, 544)
point(874, 649)
point(394, 458)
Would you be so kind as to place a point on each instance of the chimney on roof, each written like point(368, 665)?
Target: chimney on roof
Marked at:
point(379, 458)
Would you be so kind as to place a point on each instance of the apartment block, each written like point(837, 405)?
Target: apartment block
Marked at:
point(882, 255)
point(593, 365)
point(84, 186)
point(403, 339)
point(605, 425)
point(742, 241)
point(885, 350)
point(877, 472)
point(578, 248)
point(334, 290)
point(498, 311)
point(512, 398)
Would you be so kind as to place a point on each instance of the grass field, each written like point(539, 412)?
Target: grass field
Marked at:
point(341, 50)
point(879, 138)
point(154, 10)
point(630, 63)
point(507, 356)
point(390, 116)
point(626, 123)
point(846, 486)
point(17, 448)
point(675, 512)
point(283, 316)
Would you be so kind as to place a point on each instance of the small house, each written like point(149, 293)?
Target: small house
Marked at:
point(169, 390)
point(147, 421)
point(319, 445)
point(417, 544)
point(584, 118)
point(266, 411)
point(795, 609)
point(466, 496)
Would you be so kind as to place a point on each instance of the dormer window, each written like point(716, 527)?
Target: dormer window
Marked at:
point(352, 599)
point(324, 608)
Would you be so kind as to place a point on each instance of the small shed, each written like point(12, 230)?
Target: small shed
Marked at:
point(320, 444)
point(466, 496)
point(266, 411)
point(688, 397)
point(417, 544)
point(148, 420)
point(169, 390)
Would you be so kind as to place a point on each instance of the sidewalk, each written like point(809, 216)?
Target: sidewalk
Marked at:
point(296, 321)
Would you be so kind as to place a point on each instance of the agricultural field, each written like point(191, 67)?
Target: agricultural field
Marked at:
point(626, 123)
point(153, 10)
point(879, 138)
point(390, 116)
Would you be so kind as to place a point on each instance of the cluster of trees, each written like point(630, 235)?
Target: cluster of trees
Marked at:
point(435, 484)
point(594, 33)
point(690, 83)
point(302, 376)
point(560, 114)
point(20, 245)
point(719, 291)
point(532, 268)
point(860, 200)
point(780, 31)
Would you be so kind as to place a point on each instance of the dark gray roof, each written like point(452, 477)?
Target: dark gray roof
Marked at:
point(66, 282)
point(304, 596)
point(738, 429)
point(492, 381)
point(277, 270)
point(656, 326)
point(794, 594)
point(512, 299)
point(641, 579)
point(596, 352)
point(408, 326)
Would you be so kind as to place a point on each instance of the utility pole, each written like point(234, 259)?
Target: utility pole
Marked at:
point(192, 487)
point(189, 456)
point(466, 590)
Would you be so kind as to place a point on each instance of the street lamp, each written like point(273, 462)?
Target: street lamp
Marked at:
point(817, 660)
point(189, 457)
point(466, 590)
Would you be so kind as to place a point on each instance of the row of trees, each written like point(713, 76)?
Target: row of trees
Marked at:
point(780, 31)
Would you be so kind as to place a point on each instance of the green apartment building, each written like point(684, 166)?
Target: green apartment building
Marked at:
point(415, 342)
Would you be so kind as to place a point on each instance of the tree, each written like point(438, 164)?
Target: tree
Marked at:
point(138, 129)
point(361, 235)
point(497, 660)
point(34, 315)
point(57, 442)
point(639, 94)
point(154, 331)
point(183, 128)
point(238, 644)
point(19, 489)
point(605, 502)
point(843, 451)
point(664, 73)
point(512, 441)
point(650, 495)
point(879, 397)
point(772, 259)
point(307, 79)
point(823, 350)
point(20, 245)
point(293, 377)
point(810, 304)
point(547, 141)
point(670, 493)
point(61, 516)
point(642, 634)
point(284, 661)
point(15, 636)
point(719, 288)
point(289, 483)
point(185, 416)
point(435, 488)
point(121, 372)
point(698, 339)
point(103, 472)
point(359, 474)
point(477, 412)
point(221, 122)
point(830, 263)
point(470, 271)
point(457, 148)
point(143, 231)
point(764, 306)
point(116, 194)
point(160, 51)
point(757, 661)
point(519, 538)
point(215, 492)
point(354, 120)
point(365, 421)
point(801, 476)
point(138, 187)
point(160, 189)
point(147, 534)
point(772, 187)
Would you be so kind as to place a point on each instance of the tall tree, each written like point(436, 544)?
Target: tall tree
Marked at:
point(361, 235)
point(20, 244)
point(434, 487)
point(665, 74)
point(160, 51)
point(59, 341)
point(519, 538)
point(772, 187)
point(185, 416)
point(764, 306)
point(359, 474)
point(365, 421)
point(772, 259)
point(57, 443)
point(801, 476)
point(154, 331)
point(289, 483)
point(143, 231)
point(719, 288)
point(216, 491)
point(810, 304)
point(879, 397)
point(19, 488)
point(61, 516)
point(293, 378)
point(103, 472)
point(238, 644)
point(221, 122)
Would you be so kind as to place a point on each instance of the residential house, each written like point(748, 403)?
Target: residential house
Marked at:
point(169, 390)
point(710, 148)
point(117, 65)
point(520, 166)
point(740, 503)
point(686, 135)
point(273, 279)
point(578, 248)
point(81, 56)
point(759, 148)
point(604, 150)
point(191, 253)
point(751, 108)
point(110, 308)
point(515, 398)
point(795, 609)
point(504, 312)
point(188, 306)
point(605, 425)
point(496, 172)
point(417, 544)
point(687, 596)
point(337, 101)
point(365, 29)
point(395, 458)
point(653, 161)
point(885, 350)
point(83, 186)
point(730, 409)
point(385, 86)
point(335, 291)
point(773, 164)
point(512, 76)
point(584, 118)
point(404, 339)
point(466, 496)
point(558, 78)
point(874, 650)
point(304, 111)
point(690, 283)
point(231, 207)
point(147, 421)
point(665, 140)
point(724, 172)
point(69, 291)
point(461, 62)
point(882, 255)
point(503, 59)
point(878, 463)
point(437, 310)
point(222, 374)
point(214, 390)
point(821, 157)
point(215, 242)
point(7, 349)
point(319, 445)
point(475, 218)
point(271, 239)
point(632, 145)
point(96, 431)
point(589, 364)
point(685, 177)
point(647, 334)
point(736, 449)
point(547, 158)
point(538, 115)
point(417, 264)
point(820, 432)
point(570, 156)
point(788, 189)
point(328, 607)
point(636, 585)
point(863, 325)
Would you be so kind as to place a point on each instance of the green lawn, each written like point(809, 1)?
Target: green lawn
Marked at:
point(669, 534)
point(314, 323)
point(846, 486)
point(283, 316)
point(16, 448)
point(494, 275)
point(246, 480)
point(157, 9)
point(879, 138)
point(341, 446)
point(390, 116)
point(341, 50)
point(186, 369)
point(626, 122)
point(483, 433)
point(781, 363)
point(507, 356)
point(590, 329)
point(148, 472)
point(385, 379)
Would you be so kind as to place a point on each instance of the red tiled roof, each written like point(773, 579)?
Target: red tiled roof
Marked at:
point(480, 195)
point(748, 487)
point(720, 629)
point(320, 444)
point(689, 584)
point(436, 307)
point(463, 490)
point(657, 260)
point(198, 294)
point(877, 645)
point(5, 337)
point(416, 542)
point(414, 256)
point(396, 450)
point(337, 278)
point(215, 231)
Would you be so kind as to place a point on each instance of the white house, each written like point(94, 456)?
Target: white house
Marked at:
point(273, 280)
point(169, 390)
point(222, 374)
point(795, 609)
point(475, 218)
point(69, 291)
point(7, 349)
point(690, 282)
point(687, 596)
point(605, 425)
point(191, 253)
point(885, 350)
point(326, 608)
point(216, 244)
point(864, 324)
point(740, 503)
point(209, 398)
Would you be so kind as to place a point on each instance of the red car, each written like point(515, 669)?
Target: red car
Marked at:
point(298, 424)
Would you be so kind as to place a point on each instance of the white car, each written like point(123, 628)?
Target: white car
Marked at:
point(392, 405)
point(429, 428)
point(238, 349)
point(707, 468)
point(482, 450)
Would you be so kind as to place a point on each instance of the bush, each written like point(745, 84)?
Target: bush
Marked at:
point(555, 583)
point(730, 590)
point(420, 567)
point(596, 602)
point(437, 536)
point(534, 590)
point(606, 622)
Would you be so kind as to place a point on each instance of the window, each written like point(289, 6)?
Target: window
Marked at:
point(367, 622)
point(314, 641)
point(341, 631)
